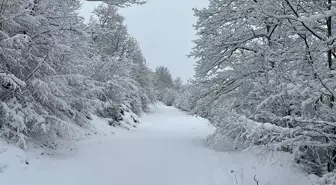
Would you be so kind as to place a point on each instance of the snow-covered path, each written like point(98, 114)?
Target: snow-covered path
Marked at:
point(166, 150)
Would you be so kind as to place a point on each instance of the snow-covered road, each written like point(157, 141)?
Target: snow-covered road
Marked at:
point(167, 149)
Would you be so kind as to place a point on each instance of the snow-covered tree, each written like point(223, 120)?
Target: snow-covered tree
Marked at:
point(121, 64)
point(178, 83)
point(164, 85)
point(56, 71)
point(36, 45)
point(164, 78)
point(187, 96)
point(271, 64)
point(120, 3)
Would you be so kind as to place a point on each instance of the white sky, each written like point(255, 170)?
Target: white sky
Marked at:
point(164, 30)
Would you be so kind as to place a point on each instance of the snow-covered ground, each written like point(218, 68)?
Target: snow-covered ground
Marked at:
point(167, 149)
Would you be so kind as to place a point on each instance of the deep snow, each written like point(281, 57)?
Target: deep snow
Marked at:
point(167, 149)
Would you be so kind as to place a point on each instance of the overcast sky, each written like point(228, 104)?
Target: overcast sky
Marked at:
point(164, 30)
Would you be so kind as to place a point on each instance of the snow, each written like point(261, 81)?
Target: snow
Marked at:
point(323, 15)
point(167, 149)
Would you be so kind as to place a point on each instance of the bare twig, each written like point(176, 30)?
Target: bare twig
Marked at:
point(236, 179)
point(255, 179)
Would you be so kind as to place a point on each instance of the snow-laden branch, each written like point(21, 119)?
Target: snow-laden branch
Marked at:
point(323, 15)
point(9, 81)
point(120, 3)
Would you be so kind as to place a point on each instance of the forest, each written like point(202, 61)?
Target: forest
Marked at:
point(56, 71)
point(264, 75)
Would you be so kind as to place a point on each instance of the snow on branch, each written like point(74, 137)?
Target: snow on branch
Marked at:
point(120, 3)
point(9, 81)
point(323, 15)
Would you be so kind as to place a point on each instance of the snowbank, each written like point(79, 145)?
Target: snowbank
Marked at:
point(167, 149)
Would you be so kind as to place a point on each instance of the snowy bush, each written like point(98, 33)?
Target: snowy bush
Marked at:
point(328, 179)
point(166, 88)
point(12, 125)
point(188, 96)
point(169, 97)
